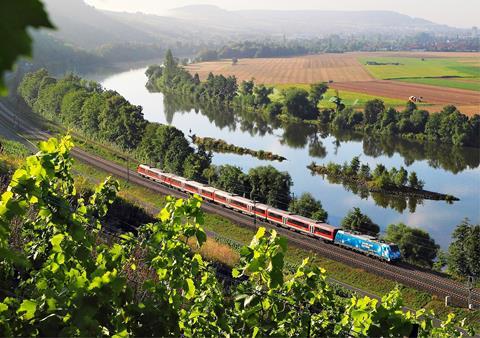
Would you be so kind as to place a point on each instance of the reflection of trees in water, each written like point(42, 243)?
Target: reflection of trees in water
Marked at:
point(448, 157)
point(220, 116)
point(299, 135)
point(395, 202)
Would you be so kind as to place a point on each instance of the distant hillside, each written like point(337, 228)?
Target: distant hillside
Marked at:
point(308, 22)
point(88, 27)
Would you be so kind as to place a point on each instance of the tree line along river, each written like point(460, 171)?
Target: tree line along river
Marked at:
point(445, 169)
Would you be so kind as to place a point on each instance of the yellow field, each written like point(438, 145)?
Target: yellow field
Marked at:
point(304, 69)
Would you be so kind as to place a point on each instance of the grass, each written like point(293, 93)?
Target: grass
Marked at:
point(416, 68)
point(12, 154)
point(350, 99)
point(458, 83)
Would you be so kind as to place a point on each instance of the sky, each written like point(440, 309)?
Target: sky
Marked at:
point(456, 13)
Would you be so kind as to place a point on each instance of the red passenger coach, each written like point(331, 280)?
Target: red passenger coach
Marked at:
point(277, 216)
point(300, 223)
point(325, 231)
point(294, 222)
point(260, 210)
point(207, 192)
point(241, 204)
point(222, 197)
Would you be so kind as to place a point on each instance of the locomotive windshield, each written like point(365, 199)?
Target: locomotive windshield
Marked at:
point(394, 248)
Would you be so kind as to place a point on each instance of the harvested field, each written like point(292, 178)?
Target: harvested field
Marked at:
point(304, 69)
point(436, 96)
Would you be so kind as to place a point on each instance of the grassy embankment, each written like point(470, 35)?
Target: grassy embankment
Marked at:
point(223, 248)
point(228, 232)
point(460, 73)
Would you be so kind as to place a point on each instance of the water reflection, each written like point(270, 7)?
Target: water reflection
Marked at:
point(396, 202)
point(443, 168)
point(299, 135)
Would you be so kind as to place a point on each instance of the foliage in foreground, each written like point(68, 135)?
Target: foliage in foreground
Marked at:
point(13, 31)
point(61, 276)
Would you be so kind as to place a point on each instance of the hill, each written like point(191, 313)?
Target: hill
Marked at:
point(88, 27)
point(308, 23)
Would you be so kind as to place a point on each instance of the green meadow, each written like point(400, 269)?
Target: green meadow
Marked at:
point(349, 98)
point(460, 73)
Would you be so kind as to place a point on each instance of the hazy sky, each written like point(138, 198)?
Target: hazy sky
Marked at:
point(457, 13)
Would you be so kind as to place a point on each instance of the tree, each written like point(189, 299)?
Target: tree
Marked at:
point(232, 179)
point(262, 93)
point(401, 177)
point(414, 182)
point(30, 85)
point(316, 92)
point(464, 250)
point(71, 106)
point(356, 221)
point(364, 172)
point(16, 39)
point(308, 206)
point(270, 186)
point(373, 110)
point(415, 244)
point(91, 109)
point(246, 87)
point(354, 166)
point(339, 105)
point(297, 104)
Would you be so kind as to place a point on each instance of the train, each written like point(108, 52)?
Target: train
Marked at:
point(361, 243)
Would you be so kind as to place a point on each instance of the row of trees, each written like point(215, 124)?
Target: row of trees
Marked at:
point(62, 277)
point(297, 102)
point(106, 115)
point(264, 184)
point(337, 44)
point(447, 126)
point(380, 177)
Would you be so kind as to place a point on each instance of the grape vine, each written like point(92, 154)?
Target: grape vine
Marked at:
point(66, 278)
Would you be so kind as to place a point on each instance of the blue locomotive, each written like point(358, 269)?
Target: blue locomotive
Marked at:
point(368, 245)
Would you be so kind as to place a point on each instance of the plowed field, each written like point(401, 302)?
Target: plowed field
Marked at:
point(303, 69)
point(467, 101)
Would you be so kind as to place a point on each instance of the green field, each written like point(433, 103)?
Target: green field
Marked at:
point(415, 67)
point(349, 98)
point(460, 73)
point(458, 83)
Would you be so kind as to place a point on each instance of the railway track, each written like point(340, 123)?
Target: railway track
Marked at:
point(404, 273)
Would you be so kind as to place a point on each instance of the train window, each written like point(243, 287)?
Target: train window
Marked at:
point(239, 204)
point(394, 248)
point(323, 231)
point(274, 215)
point(298, 223)
point(220, 198)
point(190, 187)
point(175, 182)
point(259, 210)
point(206, 193)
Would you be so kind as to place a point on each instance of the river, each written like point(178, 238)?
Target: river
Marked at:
point(442, 169)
